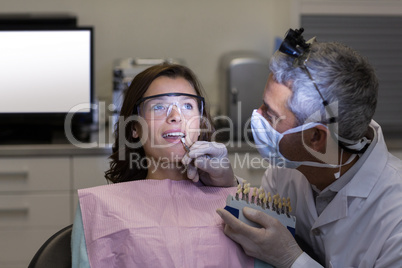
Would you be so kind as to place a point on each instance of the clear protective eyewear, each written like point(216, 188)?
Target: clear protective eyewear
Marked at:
point(159, 106)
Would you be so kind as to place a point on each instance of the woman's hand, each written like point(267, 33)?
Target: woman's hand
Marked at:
point(209, 162)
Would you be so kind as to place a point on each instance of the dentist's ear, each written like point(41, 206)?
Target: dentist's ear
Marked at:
point(316, 138)
point(321, 145)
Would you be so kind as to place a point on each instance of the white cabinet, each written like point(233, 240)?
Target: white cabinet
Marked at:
point(34, 203)
point(88, 171)
point(27, 174)
point(38, 198)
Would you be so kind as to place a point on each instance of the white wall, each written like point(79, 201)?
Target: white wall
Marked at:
point(198, 32)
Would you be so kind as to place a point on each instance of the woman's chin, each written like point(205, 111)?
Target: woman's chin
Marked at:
point(171, 156)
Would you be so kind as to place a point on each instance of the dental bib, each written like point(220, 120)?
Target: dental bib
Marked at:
point(158, 223)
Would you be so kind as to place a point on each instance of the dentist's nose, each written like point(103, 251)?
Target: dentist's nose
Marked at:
point(260, 109)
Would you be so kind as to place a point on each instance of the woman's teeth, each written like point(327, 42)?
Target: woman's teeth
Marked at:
point(173, 134)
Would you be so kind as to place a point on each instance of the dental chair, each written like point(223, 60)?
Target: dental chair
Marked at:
point(55, 252)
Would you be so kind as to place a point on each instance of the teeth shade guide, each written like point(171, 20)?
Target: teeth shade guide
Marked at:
point(273, 205)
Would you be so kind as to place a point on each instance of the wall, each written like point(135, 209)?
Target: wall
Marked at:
point(350, 7)
point(198, 32)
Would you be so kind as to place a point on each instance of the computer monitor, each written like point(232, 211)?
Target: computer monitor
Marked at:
point(44, 75)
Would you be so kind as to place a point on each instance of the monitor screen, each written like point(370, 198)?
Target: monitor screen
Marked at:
point(45, 71)
point(45, 75)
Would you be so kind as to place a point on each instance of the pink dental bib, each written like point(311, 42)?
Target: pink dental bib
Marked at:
point(152, 223)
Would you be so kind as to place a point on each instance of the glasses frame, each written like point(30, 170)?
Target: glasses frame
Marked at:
point(138, 103)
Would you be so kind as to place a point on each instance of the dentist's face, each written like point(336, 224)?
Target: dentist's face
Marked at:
point(275, 110)
point(274, 107)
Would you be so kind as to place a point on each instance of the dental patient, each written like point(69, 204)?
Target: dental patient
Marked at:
point(153, 215)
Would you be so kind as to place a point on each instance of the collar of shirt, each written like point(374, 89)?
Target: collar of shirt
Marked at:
point(324, 197)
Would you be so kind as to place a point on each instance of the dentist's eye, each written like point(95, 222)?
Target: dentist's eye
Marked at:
point(268, 116)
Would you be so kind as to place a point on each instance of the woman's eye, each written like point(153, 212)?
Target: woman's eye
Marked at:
point(158, 107)
point(188, 106)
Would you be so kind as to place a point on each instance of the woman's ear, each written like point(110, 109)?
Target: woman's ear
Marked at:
point(316, 138)
point(136, 131)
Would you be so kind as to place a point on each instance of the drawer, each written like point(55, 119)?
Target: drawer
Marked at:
point(34, 174)
point(89, 171)
point(35, 210)
point(18, 246)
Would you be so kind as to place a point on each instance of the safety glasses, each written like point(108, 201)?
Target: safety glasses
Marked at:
point(158, 107)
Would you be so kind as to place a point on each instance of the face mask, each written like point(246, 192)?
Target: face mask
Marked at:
point(267, 140)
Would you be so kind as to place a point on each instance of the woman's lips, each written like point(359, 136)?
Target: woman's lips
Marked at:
point(173, 136)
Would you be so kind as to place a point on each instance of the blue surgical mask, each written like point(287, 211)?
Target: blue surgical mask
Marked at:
point(267, 140)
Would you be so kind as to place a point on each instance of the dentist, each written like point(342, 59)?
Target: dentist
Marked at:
point(328, 155)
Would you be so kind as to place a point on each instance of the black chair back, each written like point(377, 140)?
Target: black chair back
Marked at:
point(55, 252)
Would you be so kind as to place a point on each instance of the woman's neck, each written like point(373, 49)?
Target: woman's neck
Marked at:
point(166, 170)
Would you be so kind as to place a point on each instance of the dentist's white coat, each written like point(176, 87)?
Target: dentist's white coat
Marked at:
point(362, 225)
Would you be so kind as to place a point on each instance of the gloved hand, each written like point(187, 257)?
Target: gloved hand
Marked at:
point(272, 243)
point(209, 162)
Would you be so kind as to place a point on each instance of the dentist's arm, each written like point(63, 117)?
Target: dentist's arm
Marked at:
point(209, 162)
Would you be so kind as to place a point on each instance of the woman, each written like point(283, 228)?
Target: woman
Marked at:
point(160, 79)
point(157, 217)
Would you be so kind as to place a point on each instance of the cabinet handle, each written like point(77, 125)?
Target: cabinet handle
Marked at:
point(17, 173)
point(14, 211)
point(20, 209)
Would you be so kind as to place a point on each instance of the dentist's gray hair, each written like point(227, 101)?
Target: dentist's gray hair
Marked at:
point(342, 75)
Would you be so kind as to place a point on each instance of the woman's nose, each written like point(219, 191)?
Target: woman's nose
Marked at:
point(174, 115)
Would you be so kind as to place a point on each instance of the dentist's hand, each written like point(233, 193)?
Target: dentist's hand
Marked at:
point(209, 162)
point(272, 243)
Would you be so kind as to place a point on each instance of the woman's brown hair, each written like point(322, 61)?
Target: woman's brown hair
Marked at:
point(121, 170)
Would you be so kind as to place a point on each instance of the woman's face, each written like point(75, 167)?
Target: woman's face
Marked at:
point(160, 136)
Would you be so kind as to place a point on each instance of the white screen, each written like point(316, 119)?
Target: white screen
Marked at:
point(44, 71)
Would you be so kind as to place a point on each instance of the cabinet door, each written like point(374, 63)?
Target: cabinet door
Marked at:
point(27, 221)
point(35, 210)
point(19, 245)
point(89, 171)
point(34, 174)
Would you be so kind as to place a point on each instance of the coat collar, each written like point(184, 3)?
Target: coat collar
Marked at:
point(362, 183)
point(368, 175)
